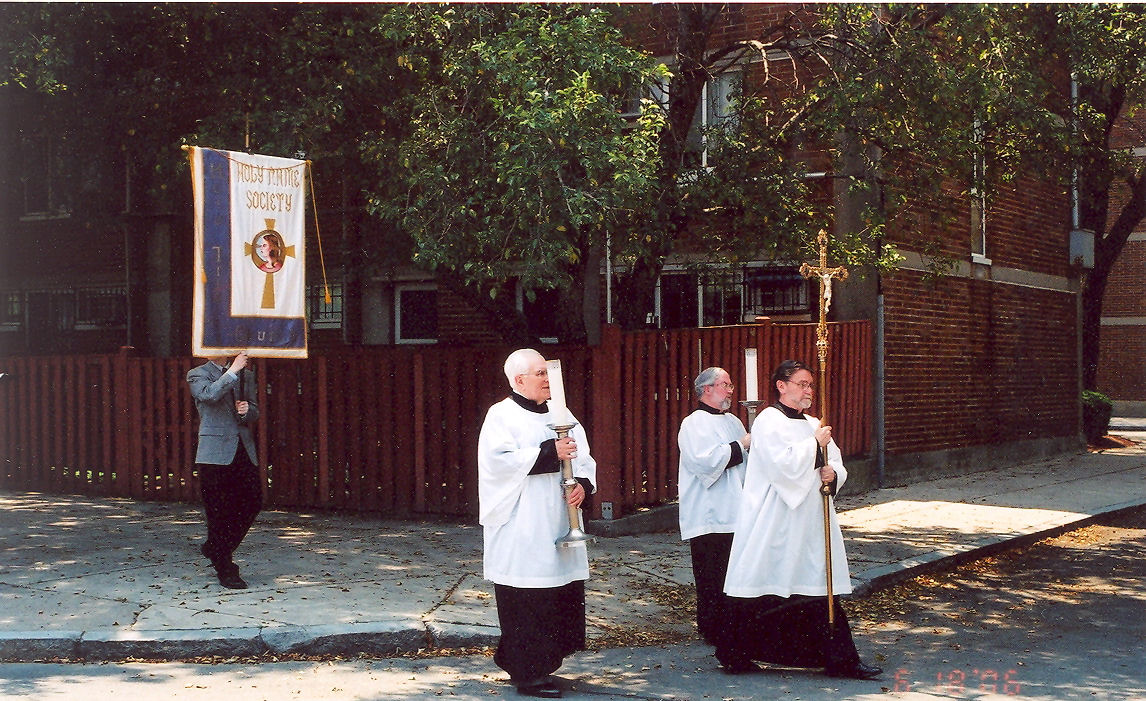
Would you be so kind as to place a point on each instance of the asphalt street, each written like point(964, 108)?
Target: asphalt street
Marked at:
point(1061, 619)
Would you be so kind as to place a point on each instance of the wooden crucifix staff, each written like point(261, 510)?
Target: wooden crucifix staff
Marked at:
point(826, 275)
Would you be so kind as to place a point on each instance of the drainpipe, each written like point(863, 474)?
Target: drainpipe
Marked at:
point(608, 277)
point(1075, 226)
point(1075, 213)
point(880, 401)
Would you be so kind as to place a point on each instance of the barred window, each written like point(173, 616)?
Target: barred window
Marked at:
point(775, 291)
point(726, 296)
point(321, 314)
point(11, 309)
point(100, 307)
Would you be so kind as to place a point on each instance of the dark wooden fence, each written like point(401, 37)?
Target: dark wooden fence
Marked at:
point(393, 430)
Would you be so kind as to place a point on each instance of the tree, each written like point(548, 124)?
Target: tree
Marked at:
point(518, 164)
point(1106, 45)
point(844, 69)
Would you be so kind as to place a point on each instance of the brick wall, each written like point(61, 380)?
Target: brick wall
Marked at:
point(1122, 370)
point(1122, 346)
point(1125, 295)
point(1027, 227)
point(972, 362)
point(653, 27)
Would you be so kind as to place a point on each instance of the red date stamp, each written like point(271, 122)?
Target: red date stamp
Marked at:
point(956, 681)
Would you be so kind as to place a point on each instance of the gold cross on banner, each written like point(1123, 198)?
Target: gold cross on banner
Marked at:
point(268, 252)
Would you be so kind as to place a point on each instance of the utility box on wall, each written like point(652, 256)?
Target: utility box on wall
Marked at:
point(1082, 248)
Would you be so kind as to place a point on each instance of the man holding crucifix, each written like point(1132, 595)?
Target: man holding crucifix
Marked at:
point(777, 575)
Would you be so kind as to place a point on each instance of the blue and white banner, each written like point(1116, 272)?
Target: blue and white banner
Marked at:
point(250, 258)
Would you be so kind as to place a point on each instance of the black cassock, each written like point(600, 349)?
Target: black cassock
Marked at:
point(791, 631)
point(539, 628)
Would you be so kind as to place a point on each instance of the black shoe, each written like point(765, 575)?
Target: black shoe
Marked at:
point(545, 689)
point(203, 549)
point(229, 577)
point(739, 667)
point(857, 671)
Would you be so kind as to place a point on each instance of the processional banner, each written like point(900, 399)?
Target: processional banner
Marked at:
point(250, 259)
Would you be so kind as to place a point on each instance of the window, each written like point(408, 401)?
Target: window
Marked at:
point(632, 95)
point(722, 297)
point(713, 111)
point(321, 314)
point(42, 182)
point(678, 301)
point(100, 308)
point(540, 313)
point(68, 309)
point(11, 310)
point(775, 291)
point(416, 313)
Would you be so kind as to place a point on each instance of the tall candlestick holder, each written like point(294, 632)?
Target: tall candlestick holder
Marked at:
point(753, 406)
point(575, 536)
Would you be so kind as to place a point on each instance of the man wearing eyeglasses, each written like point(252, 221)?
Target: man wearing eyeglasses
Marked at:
point(539, 588)
point(713, 446)
point(777, 573)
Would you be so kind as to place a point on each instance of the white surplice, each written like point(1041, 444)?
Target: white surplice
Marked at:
point(709, 493)
point(522, 514)
point(778, 547)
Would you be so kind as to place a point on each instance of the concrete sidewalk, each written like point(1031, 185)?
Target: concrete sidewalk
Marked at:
point(109, 579)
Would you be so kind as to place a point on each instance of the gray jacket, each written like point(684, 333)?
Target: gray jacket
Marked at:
point(220, 427)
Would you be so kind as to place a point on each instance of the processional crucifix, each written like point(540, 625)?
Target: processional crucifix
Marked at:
point(826, 275)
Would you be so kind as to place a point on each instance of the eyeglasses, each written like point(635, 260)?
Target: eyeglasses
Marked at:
point(805, 385)
point(539, 373)
point(726, 385)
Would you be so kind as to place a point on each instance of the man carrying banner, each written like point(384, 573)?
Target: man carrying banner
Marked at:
point(226, 459)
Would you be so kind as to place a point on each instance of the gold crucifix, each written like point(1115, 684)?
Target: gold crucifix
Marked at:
point(268, 252)
point(826, 275)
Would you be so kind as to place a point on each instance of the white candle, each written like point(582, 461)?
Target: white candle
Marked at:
point(750, 382)
point(557, 409)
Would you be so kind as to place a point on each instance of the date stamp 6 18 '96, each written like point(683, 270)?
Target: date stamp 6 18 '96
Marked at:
point(957, 682)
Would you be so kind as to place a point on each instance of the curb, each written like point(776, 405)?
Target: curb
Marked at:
point(376, 638)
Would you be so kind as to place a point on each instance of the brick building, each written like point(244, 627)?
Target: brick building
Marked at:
point(981, 360)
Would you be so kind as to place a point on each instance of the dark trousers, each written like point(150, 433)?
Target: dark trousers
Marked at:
point(709, 565)
point(232, 498)
point(790, 631)
point(539, 628)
